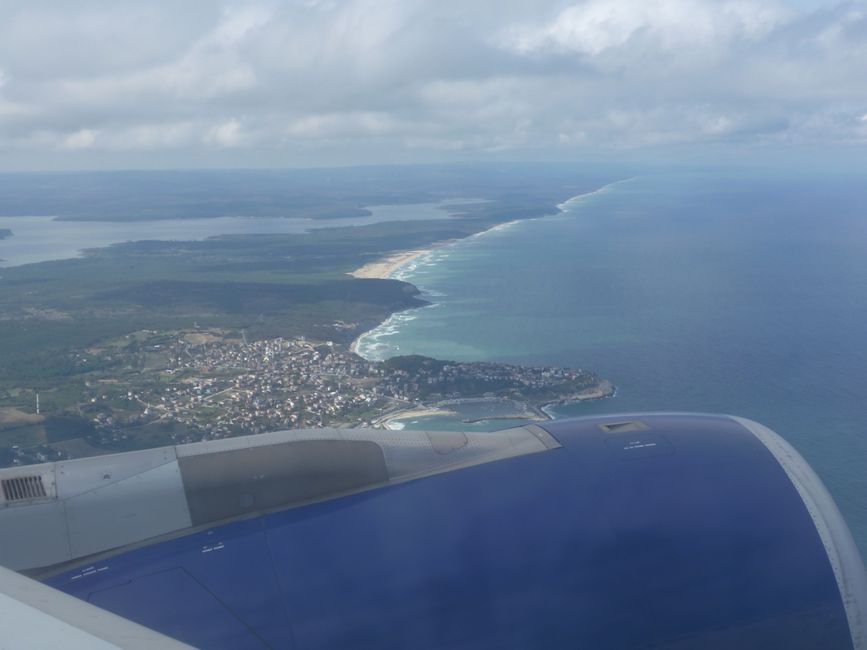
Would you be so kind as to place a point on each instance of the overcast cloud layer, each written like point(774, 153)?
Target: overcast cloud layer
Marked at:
point(114, 83)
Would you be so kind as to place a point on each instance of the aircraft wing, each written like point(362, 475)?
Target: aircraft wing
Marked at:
point(635, 531)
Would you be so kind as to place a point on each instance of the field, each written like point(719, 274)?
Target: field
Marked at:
point(12, 418)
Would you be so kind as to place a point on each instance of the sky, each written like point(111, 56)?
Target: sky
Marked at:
point(117, 84)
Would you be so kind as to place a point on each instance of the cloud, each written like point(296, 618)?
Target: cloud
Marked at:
point(81, 139)
point(226, 134)
point(325, 82)
point(597, 26)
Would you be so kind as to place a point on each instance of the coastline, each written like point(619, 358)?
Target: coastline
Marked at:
point(601, 190)
point(532, 412)
point(411, 412)
point(385, 267)
point(388, 266)
point(604, 390)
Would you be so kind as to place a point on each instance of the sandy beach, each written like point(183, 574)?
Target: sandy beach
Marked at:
point(383, 268)
point(415, 412)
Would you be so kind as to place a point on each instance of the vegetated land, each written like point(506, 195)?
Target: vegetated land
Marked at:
point(249, 287)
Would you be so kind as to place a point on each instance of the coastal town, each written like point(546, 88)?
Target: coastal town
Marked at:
point(186, 386)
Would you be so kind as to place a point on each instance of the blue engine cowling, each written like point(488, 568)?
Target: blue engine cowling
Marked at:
point(639, 531)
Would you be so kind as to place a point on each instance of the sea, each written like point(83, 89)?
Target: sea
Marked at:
point(741, 292)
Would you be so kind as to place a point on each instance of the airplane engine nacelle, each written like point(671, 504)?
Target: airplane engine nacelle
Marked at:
point(635, 531)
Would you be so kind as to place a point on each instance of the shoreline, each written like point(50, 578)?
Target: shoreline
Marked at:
point(412, 412)
point(539, 412)
point(387, 266)
point(600, 190)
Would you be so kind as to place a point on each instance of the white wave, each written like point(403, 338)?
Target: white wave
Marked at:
point(373, 345)
point(578, 198)
point(501, 227)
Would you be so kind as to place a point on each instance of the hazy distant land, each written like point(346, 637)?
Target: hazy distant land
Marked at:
point(306, 193)
point(5, 232)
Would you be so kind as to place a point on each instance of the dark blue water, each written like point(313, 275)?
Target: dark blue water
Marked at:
point(722, 293)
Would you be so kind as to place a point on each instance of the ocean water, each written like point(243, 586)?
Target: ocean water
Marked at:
point(721, 292)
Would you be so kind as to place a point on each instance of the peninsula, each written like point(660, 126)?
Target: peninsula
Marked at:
point(158, 388)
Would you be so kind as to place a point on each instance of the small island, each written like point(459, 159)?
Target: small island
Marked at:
point(5, 232)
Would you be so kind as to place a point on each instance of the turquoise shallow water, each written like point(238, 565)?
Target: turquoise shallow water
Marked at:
point(720, 293)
